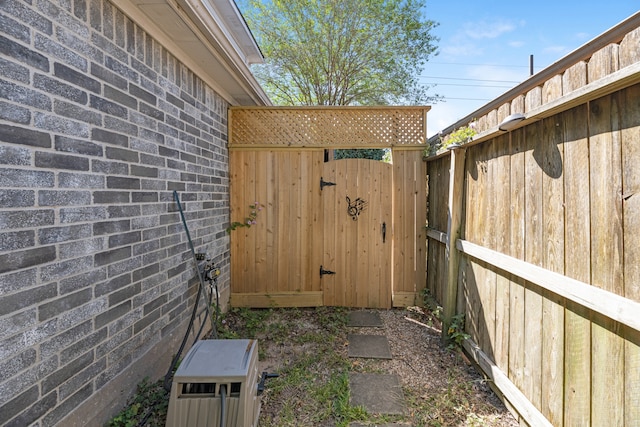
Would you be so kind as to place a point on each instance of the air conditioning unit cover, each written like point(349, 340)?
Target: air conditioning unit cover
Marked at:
point(216, 378)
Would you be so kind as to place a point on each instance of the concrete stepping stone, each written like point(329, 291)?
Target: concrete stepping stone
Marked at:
point(369, 346)
point(377, 393)
point(364, 319)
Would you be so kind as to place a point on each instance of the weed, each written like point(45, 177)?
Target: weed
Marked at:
point(456, 333)
point(432, 304)
point(254, 321)
point(332, 320)
point(148, 406)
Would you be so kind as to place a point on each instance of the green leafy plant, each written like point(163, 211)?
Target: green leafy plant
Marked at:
point(249, 220)
point(459, 136)
point(431, 304)
point(456, 333)
point(148, 406)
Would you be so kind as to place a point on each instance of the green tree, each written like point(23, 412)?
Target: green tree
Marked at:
point(360, 153)
point(342, 52)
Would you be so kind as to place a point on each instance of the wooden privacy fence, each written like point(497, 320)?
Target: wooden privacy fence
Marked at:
point(344, 232)
point(534, 234)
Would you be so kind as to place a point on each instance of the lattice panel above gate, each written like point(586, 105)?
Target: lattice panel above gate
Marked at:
point(327, 127)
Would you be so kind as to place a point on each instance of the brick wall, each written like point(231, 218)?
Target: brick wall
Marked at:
point(98, 125)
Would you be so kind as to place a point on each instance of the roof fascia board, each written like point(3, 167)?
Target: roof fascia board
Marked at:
point(223, 26)
point(212, 60)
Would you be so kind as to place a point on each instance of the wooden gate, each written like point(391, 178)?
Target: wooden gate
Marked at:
point(357, 257)
point(277, 158)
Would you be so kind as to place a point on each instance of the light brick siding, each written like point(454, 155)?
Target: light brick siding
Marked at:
point(98, 125)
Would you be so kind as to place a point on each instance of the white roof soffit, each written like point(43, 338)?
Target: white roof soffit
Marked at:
point(208, 36)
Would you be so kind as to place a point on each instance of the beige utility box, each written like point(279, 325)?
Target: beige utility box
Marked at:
point(216, 378)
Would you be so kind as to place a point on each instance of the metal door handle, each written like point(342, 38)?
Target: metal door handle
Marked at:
point(384, 232)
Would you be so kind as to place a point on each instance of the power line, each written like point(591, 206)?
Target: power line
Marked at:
point(472, 80)
point(479, 65)
point(468, 99)
point(454, 84)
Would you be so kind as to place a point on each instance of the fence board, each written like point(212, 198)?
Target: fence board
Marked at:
point(438, 171)
point(603, 62)
point(516, 245)
point(577, 360)
point(409, 234)
point(452, 260)
point(331, 233)
point(317, 219)
point(553, 260)
point(630, 135)
point(489, 240)
point(305, 219)
point(236, 200)
point(474, 289)
point(606, 249)
point(469, 233)
point(362, 280)
point(351, 236)
point(261, 233)
point(294, 221)
point(533, 254)
point(420, 217)
point(399, 222)
point(283, 195)
point(502, 214)
point(404, 228)
point(271, 213)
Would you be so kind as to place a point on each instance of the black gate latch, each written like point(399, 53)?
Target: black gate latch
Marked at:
point(323, 272)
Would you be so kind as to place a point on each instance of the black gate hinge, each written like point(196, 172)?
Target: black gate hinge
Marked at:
point(324, 183)
point(323, 272)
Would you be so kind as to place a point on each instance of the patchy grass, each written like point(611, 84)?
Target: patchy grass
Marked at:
point(307, 348)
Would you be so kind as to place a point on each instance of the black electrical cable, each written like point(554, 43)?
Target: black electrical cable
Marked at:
point(168, 376)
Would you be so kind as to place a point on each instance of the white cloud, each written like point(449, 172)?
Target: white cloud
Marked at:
point(487, 30)
point(516, 43)
point(461, 49)
point(471, 38)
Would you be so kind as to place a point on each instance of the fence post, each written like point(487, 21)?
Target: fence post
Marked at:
point(454, 221)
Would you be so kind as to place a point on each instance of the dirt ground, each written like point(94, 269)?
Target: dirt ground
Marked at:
point(308, 348)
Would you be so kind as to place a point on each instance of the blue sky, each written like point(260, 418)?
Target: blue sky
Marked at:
point(484, 46)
